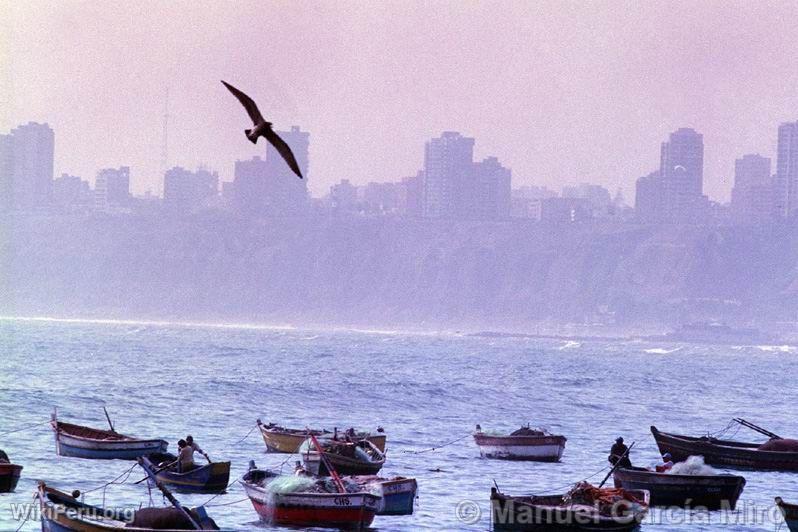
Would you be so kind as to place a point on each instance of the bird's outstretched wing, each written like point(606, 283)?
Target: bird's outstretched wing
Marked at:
point(246, 101)
point(280, 145)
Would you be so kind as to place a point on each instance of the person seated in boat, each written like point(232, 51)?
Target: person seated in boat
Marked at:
point(4, 457)
point(191, 443)
point(666, 465)
point(619, 454)
point(185, 457)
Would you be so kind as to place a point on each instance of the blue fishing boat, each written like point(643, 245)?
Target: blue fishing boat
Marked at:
point(86, 442)
point(398, 493)
point(208, 478)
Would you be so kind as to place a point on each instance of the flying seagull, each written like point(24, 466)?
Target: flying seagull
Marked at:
point(263, 129)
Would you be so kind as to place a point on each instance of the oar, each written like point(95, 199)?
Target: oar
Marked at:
point(617, 464)
point(109, 420)
point(333, 473)
point(177, 505)
point(757, 428)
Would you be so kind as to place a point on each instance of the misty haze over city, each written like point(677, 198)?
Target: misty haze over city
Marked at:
point(585, 172)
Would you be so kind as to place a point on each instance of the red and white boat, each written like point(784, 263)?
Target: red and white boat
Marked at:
point(523, 444)
point(308, 508)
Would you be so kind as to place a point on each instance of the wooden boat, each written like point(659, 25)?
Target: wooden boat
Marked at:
point(348, 458)
point(61, 512)
point(9, 476)
point(206, 478)
point(351, 510)
point(790, 513)
point(86, 442)
point(398, 493)
point(566, 512)
point(283, 440)
point(523, 444)
point(714, 492)
point(725, 453)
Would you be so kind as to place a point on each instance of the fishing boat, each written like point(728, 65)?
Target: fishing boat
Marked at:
point(283, 440)
point(583, 508)
point(9, 476)
point(86, 442)
point(304, 502)
point(732, 454)
point(348, 458)
point(398, 493)
point(790, 514)
point(206, 478)
point(523, 444)
point(61, 512)
point(713, 492)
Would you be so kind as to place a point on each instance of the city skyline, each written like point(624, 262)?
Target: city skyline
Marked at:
point(579, 86)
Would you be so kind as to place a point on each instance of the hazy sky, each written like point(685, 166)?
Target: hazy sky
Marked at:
point(561, 92)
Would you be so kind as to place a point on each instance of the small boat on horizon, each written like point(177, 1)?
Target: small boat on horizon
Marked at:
point(346, 457)
point(284, 440)
point(585, 507)
point(288, 500)
point(62, 512)
point(523, 444)
point(777, 454)
point(79, 441)
point(713, 492)
point(789, 512)
point(206, 478)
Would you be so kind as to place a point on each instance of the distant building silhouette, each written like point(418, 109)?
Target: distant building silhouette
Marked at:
point(412, 195)
point(186, 191)
point(343, 196)
point(268, 186)
point(33, 148)
point(456, 187)
point(786, 182)
point(71, 193)
point(112, 189)
point(682, 174)
point(564, 210)
point(649, 202)
point(752, 200)
point(6, 172)
point(381, 198)
point(597, 197)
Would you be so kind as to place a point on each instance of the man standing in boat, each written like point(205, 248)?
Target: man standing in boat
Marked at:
point(619, 454)
point(196, 448)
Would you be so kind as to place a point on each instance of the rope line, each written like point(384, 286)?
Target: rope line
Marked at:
point(226, 503)
point(26, 427)
point(114, 481)
point(437, 446)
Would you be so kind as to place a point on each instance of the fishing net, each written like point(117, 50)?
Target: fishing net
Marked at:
point(694, 465)
point(608, 501)
point(290, 484)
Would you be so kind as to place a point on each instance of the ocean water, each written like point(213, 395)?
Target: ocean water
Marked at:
point(162, 380)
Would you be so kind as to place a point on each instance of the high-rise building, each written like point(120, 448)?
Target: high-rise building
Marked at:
point(33, 147)
point(112, 189)
point(447, 160)
point(785, 194)
point(457, 187)
point(343, 196)
point(187, 191)
point(484, 193)
point(682, 173)
point(752, 194)
point(269, 187)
